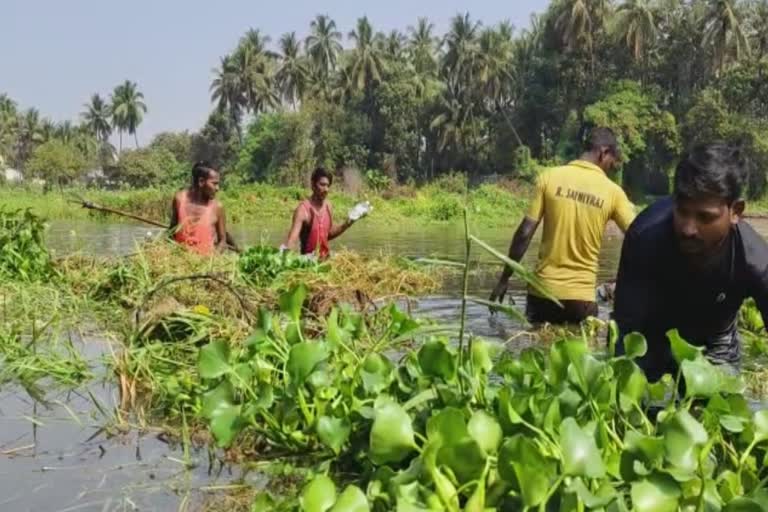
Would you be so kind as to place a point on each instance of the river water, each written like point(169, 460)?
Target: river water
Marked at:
point(53, 457)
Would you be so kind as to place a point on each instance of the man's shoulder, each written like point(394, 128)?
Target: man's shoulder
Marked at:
point(653, 222)
point(754, 246)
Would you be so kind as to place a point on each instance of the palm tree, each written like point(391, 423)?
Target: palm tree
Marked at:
point(96, 118)
point(323, 46)
point(576, 25)
point(292, 74)
point(636, 26)
point(366, 63)
point(461, 47)
point(64, 131)
point(760, 28)
point(48, 130)
point(227, 92)
point(128, 109)
point(423, 46)
point(257, 42)
point(256, 70)
point(7, 105)
point(30, 133)
point(723, 31)
point(392, 45)
point(493, 64)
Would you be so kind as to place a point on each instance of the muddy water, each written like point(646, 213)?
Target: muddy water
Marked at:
point(53, 457)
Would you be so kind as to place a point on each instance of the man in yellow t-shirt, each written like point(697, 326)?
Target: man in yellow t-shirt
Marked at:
point(575, 202)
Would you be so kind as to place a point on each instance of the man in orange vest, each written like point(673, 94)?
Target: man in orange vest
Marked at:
point(197, 218)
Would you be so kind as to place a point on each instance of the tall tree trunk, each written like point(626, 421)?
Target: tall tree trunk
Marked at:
point(120, 147)
point(136, 138)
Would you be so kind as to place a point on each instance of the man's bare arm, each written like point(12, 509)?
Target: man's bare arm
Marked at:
point(292, 240)
point(174, 217)
point(337, 229)
point(221, 227)
point(520, 242)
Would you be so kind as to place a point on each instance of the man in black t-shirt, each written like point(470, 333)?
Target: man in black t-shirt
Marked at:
point(689, 261)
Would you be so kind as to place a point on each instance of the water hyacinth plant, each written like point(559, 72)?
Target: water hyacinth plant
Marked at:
point(464, 428)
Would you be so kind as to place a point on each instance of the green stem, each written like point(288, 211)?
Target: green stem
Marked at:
point(465, 282)
point(552, 490)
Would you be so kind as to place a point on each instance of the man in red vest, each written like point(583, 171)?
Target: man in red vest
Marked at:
point(312, 225)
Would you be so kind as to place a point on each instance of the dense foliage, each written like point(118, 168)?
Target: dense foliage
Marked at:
point(23, 253)
point(448, 429)
point(481, 99)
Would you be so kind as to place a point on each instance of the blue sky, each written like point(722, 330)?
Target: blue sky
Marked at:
point(55, 53)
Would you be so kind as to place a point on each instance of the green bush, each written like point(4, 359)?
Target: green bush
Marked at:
point(445, 207)
point(23, 254)
point(453, 182)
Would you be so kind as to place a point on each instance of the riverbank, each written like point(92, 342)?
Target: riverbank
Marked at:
point(489, 205)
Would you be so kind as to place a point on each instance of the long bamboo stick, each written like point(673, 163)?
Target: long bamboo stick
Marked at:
point(230, 242)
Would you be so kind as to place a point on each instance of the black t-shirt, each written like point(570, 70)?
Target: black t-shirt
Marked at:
point(658, 290)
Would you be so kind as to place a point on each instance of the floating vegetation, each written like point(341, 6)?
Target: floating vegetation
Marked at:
point(261, 265)
point(23, 254)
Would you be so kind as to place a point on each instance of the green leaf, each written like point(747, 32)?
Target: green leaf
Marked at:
point(521, 463)
point(484, 429)
point(732, 423)
point(223, 414)
point(465, 458)
point(681, 349)
point(702, 378)
point(606, 494)
point(743, 505)
point(377, 374)
point(292, 301)
point(640, 449)
point(631, 384)
point(635, 345)
point(659, 493)
point(351, 500)
point(226, 424)
point(401, 323)
point(436, 360)
point(333, 331)
point(659, 390)
point(580, 454)
point(213, 361)
point(760, 425)
point(391, 438)
point(222, 395)
point(482, 354)
point(333, 432)
point(523, 273)
point(318, 495)
point(447, 426)
point(683, 437)
point(511, 311)
point(303, 359)
point(562, 354)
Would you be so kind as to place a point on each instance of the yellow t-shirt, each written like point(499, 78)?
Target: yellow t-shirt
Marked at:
point(575, 201)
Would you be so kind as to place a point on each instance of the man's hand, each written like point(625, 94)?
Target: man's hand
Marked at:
point(499, 292)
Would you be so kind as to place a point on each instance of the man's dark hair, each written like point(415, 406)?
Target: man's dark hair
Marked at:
point(200, 171)
point(715, 169)
point(602, 137)
point(319, 173)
